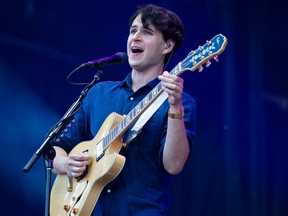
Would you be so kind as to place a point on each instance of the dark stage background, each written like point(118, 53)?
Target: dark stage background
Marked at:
point(238, 165)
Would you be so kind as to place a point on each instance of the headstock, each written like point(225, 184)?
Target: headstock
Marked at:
point(210, 50)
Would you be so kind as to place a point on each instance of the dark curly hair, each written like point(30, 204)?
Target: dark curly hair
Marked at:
point(164, 20)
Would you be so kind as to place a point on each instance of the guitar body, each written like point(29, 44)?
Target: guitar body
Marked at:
point(72, 196)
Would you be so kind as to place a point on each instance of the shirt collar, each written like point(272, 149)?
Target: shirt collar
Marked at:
point(128, 82)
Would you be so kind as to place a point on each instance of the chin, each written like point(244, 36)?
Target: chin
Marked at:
point(133, 63)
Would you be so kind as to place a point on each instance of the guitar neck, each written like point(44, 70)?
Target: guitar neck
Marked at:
point(133, 115)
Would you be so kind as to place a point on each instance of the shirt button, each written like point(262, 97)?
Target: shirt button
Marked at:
point(108, 190)
point(131, 98)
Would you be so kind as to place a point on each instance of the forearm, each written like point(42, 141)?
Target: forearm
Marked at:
point(176, 149)
point(59, 161)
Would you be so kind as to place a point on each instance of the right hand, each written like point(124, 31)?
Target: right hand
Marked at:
point(76, 163)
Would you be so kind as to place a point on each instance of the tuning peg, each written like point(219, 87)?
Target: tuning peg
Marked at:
point(200, 69)
point(216, 59)
point(208, 63)
point(208, 42)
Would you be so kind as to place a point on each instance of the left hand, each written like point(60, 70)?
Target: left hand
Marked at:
point(173, 85)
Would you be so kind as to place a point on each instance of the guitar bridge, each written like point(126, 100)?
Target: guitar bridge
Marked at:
point(69, 184)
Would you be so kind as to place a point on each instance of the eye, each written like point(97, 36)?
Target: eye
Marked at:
point(132, 31)
point(147, 32)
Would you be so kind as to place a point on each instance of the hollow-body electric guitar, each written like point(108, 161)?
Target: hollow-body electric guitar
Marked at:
point(78, 196)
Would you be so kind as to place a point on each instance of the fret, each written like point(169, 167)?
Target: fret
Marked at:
point(122, 123)
point(108, 137)
point(113, 134)
point(137, 109)
point(154, 92)
point(130, 115)
point(178, 69)
point(105, 141)
point(119, 128)
point(159, 87)
point(134, 112)
point(150, 96)
point(116, 128)
point(146, 100)
point(173, 71)
point(127, 118)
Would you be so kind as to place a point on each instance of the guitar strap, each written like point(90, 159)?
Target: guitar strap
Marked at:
point(136, 130)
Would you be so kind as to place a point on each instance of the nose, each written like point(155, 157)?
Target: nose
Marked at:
point(137, 36)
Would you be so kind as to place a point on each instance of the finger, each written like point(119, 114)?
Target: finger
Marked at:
point(173, 89)
point(169, 86)
point(76, 170)
point(80, 157)
point(168, 79)
point(170, 76)
point(75, 173)
point(72, 163)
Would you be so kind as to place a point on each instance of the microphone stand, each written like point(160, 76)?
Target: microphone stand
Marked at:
point(47, 150)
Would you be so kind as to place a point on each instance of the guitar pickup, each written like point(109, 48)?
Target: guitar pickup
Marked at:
point(100, 156)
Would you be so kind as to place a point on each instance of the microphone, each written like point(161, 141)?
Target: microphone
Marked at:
point(118, 58)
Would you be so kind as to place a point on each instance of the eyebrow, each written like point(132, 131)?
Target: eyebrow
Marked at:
point(148, 28)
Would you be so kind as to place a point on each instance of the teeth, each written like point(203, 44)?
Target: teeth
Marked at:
point(136, 49)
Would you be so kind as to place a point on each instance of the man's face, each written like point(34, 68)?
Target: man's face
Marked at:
point(145, 46)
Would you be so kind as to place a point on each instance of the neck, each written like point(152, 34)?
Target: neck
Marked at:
point(140, 79)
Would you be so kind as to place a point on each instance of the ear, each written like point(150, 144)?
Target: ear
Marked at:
point(169, 46)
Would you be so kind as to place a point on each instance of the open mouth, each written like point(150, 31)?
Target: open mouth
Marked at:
point(135, 49)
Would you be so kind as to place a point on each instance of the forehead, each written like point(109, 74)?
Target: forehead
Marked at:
point(137, 22)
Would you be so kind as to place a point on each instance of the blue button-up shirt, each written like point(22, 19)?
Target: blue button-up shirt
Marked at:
point(141, 188)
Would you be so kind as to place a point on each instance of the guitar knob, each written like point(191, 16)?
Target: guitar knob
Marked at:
point(66, 208)
point(216, 59)
point(208, 63)
point(200, 69)
point(75, 211)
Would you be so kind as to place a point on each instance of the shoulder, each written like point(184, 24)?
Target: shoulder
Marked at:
point(106, 86)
